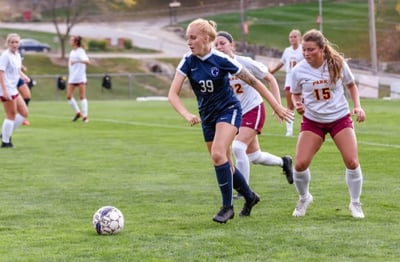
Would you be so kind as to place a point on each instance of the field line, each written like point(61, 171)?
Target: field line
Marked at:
point(134, 123)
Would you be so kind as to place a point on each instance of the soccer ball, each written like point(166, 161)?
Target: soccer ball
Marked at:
point(108, 220)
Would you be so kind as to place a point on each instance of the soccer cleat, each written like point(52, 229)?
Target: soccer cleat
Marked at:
point(85, 119)
point(288, 168)
point(77, 116)
point(248, 205)
point(224, 215)
point(356, 210)
point(4, 144)
point(302, 205)
point(7, 145)
point(289, 133)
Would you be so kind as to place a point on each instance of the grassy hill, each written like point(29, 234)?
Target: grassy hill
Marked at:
point(345, 24)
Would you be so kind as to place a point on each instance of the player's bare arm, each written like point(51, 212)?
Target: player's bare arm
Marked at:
point(282, 112)
point(176, 102)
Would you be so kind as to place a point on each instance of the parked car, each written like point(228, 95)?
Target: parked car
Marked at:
point(27, 45)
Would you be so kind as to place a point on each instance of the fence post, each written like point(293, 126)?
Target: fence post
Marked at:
point(130, 76)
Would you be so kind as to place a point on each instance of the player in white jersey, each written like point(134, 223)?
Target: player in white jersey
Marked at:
point(318, 94)
point(291, 56)
point(10, 72)
point(77, 62)
point(246, 147)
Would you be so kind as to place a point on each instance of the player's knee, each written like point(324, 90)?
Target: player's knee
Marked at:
point(301, 165)
point(352, 163)
point(238, 148)
point(218, 158)
point(255, 157)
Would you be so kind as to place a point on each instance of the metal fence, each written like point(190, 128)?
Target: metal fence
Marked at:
point(122, 86)
point(134, 86)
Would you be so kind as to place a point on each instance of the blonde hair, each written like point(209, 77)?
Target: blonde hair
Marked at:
point(333, 59)
point(9, 36)
point(296, 31)
point(207, 27)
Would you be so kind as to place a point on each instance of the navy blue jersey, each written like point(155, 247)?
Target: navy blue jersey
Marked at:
point(209, 78)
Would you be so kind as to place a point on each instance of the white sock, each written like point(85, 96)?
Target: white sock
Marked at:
point(354, 181)
point(265, 158)
point(18, 121)
point(302, 182)
point(74, 105)
point(7, 130)
point(289, 127)
point(242, 161)
point(84, 105)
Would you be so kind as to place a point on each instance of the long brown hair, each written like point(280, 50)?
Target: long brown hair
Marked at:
point(333, 59)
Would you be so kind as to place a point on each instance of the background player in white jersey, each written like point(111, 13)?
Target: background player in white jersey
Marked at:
point(246, 147)
point(290, 57)
point(208, 71)
point(318, 94)
point(13, 104)
point(77, 62)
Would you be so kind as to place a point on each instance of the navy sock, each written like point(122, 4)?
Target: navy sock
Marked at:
point(240, 185)
point(27, 101)
point(224, 178)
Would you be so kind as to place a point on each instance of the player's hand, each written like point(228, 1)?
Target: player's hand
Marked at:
point(285, 114)
point(359, 113)
point(7, 96)
point(26, 79)
point(300, 108)
point(192, 119)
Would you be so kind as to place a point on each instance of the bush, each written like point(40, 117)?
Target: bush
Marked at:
point(128, 43)
point(97, 45)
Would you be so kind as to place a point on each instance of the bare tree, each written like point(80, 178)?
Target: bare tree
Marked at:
point(65, 14)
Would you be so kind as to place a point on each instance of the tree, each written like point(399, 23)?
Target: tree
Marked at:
point(65, 14)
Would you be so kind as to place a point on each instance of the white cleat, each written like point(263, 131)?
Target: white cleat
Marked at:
point(289, 133)
point(356, 210)
point(302, 205)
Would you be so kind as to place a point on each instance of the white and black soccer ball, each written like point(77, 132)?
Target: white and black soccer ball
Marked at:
point(108, 220)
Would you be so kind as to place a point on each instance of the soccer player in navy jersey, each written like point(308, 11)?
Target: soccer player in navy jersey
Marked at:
point(220, 112)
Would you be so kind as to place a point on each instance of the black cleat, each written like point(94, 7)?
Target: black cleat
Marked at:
point(288, 168)
point(6, 145)
point(248, 205)
point(76, 117)
point(224, 215)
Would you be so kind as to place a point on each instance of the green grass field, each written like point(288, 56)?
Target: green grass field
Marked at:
point(144, 159)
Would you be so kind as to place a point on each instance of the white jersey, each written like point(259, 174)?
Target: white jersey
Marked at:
point(248, 95)
point(290, 58)
point(10, 64)
point(77, 71)
point(324, 102)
